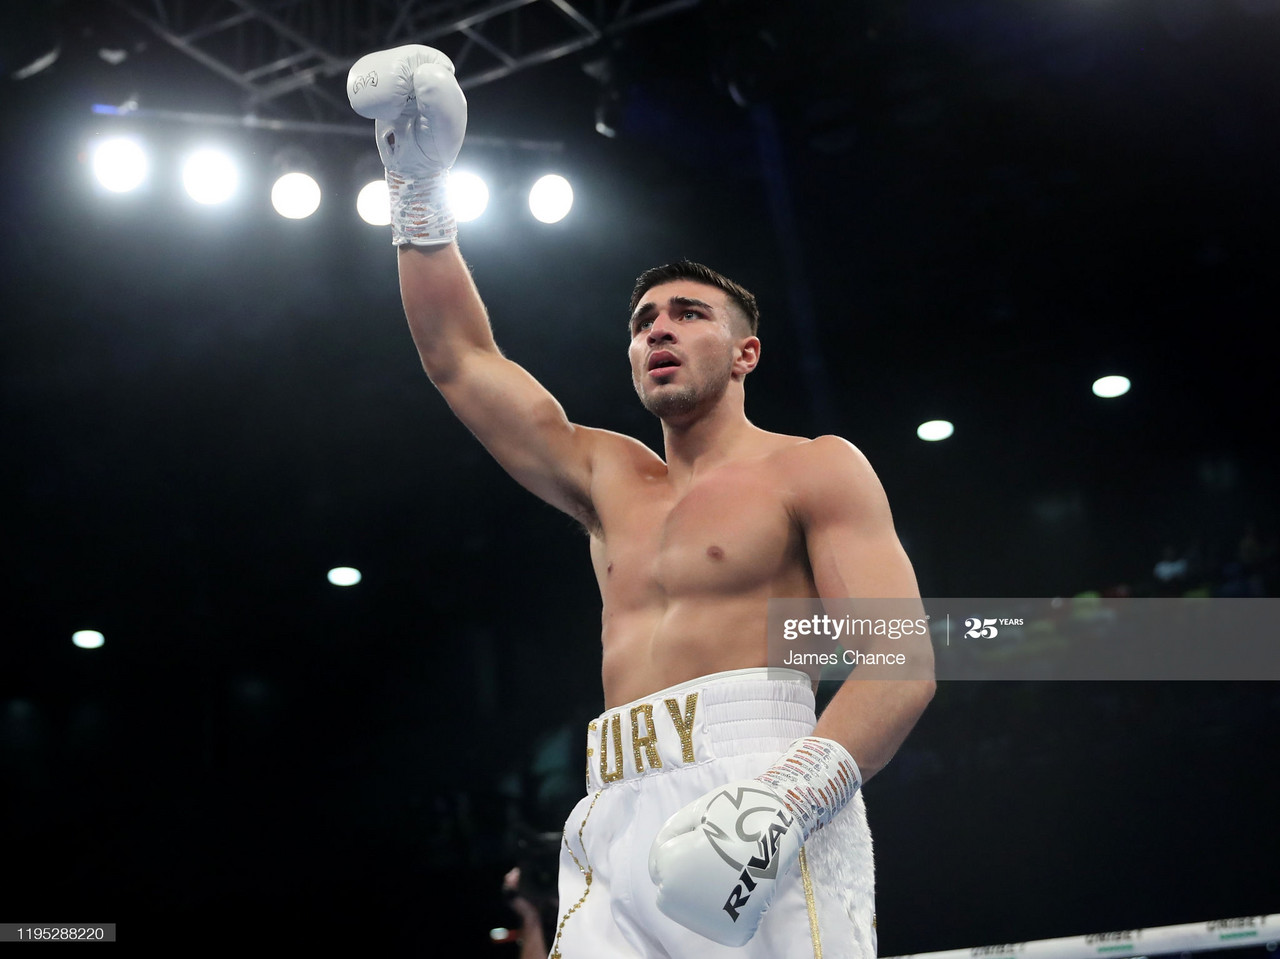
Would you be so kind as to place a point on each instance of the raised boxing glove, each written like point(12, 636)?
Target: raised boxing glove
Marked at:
point(421, 116)
point(718, 861)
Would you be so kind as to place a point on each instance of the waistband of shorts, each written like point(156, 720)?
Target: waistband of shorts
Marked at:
point(724, 714)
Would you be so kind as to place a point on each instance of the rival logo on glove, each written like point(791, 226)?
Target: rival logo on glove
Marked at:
point(764, 865)
point(368, 80)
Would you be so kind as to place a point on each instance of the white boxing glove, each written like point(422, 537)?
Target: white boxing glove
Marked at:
point(421, 116)
point(718, 861)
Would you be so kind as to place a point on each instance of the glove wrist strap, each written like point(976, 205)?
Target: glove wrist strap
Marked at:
point(816, 779)
point(420, 212)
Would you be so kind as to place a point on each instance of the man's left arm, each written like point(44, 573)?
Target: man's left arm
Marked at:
point(855, 554)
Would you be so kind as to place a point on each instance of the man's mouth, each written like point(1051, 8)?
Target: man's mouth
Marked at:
point(662, 362)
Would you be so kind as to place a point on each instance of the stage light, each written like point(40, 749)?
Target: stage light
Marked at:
point(551, 198)
point(295, 193)
point(295, 196)
point(934, 430)
point(120, 164)
point(374, 204)
point(468, 195)
point(344, 576)
point(210, 177)
point(87, 638)
point(1109, 387)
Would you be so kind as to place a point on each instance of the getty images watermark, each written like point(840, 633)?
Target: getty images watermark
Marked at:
point(1086, 638)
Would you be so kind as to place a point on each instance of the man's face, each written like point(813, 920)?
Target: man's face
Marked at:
point(684, 338)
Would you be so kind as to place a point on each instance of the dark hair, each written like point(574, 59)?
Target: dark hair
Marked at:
point(739, 295)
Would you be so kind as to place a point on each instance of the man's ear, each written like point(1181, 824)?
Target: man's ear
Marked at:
point(747, 357)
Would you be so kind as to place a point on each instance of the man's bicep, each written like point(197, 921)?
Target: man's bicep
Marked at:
point(853, 547)
point(851, 560)
point(525, 429)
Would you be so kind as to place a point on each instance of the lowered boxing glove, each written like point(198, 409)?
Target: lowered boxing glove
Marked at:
point(718, 861)
point(421, 116)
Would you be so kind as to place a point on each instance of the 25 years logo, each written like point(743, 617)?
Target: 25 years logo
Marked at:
point(987, 628)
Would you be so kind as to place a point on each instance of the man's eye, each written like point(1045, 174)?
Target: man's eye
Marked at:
point(691, 313)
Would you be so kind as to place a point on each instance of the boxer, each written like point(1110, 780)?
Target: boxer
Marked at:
point(723, 818)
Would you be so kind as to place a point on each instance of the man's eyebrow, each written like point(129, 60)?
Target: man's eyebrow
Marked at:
point(646, 309)
point(692, 301)
point(643, 310)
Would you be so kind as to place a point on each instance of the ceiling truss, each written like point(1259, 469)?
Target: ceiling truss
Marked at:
point(289, 58)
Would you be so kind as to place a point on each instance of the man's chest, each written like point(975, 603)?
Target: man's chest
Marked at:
point(725, 535)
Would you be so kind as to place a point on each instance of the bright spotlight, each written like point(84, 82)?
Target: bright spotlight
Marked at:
point(344, 576)
point(210, 177)
point(119, 164)
point(1109, 387)
point(551, 198)
point(374, 204)
point(468, 195)
point(934, 430)
point(87, 638)
point(295, 196)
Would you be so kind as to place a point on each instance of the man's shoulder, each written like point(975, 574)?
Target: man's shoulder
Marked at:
point(827, 473)
point(619, 450)
point(825, 452)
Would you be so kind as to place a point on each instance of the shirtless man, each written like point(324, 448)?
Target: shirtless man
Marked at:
point(713, 796)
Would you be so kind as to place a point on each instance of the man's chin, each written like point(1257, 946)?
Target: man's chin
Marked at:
point(670, 403)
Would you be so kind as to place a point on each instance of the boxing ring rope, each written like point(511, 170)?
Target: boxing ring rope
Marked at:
point(1158, 940)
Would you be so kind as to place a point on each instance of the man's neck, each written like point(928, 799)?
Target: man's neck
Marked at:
point(706, 441)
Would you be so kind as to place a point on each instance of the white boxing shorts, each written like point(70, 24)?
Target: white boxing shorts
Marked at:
point(647, 760)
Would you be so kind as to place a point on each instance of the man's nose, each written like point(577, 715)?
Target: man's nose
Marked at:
point(662, 328)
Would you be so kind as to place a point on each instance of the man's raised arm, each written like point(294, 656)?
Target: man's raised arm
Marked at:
point(421, 117)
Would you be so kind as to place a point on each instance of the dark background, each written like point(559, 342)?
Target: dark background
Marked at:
point(959, 210)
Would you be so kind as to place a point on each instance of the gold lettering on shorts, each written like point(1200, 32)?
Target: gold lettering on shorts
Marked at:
point(591, 728)
point(614, 727)
point(684, 724)
point(647, 742)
